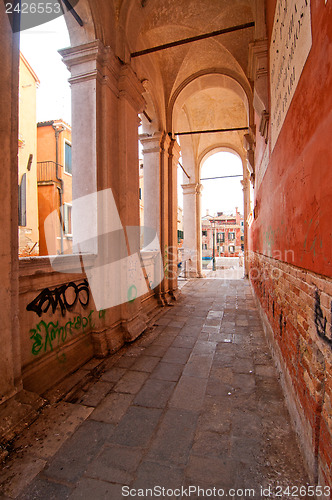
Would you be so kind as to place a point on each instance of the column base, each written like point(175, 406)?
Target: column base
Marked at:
point(134, 328)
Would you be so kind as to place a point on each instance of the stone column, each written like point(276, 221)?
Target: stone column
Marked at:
point(199, 189)
point(191, 228)
point(173, 160)
point(152, 148)
point(130, 104)
point(162, 291)
point(85, 63)
point(10, 367)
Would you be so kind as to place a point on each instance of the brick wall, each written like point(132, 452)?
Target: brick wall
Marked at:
point(296, 308)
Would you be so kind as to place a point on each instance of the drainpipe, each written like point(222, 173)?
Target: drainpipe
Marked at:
point(57, 130)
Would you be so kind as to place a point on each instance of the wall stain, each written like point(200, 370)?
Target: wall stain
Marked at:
point(321, 321)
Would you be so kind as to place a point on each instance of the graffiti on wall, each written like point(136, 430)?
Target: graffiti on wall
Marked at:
point(321, 321)
point(47, 336)
point(64, 296)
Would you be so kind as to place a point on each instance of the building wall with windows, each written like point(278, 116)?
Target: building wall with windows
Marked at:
point(27, 162)
point(229, 235)
point(54, 184)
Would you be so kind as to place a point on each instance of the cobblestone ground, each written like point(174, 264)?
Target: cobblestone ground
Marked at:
point(195, 401)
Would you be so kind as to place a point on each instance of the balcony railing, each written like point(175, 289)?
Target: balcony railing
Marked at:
point(47, 171)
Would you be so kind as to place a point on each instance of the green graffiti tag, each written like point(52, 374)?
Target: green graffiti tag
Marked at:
point(45, 335)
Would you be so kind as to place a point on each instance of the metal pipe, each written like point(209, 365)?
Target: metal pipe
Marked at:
point(191, 39)
point(73, 12)
point(147, 116)
point(214, 245)
point(184, 170)
point(57, 131)
point(221, 177)
point(235, 129)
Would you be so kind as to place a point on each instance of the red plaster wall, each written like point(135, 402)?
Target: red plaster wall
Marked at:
point(293, 203)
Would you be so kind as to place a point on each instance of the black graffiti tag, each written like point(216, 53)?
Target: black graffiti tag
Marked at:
point(59, 297)
point(320, 320)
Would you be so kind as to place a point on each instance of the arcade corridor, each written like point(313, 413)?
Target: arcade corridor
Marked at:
point(195, 401)
point(196, 396)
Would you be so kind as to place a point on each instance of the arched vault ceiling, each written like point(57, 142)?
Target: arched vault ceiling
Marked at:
point(162, 22)
point(212, 108)
point(196, 14)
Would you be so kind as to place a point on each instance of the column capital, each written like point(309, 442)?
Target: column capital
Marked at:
point(194, 188)
point(92, 61)
point(151, 143)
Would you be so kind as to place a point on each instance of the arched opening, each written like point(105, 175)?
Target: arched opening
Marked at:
point(210, 114)
point(222, 214)
point(45, 166)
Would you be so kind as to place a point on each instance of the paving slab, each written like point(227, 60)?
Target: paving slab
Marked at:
point(136, 427)
point(155, 393)
point(70, 462)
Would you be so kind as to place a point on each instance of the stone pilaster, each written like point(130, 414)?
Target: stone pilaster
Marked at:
point(258, 73)
point(173, 160)
point(152, 148)
point(192, 229)
point(246, 209)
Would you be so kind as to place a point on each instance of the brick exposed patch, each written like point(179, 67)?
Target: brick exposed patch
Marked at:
point(298, 307)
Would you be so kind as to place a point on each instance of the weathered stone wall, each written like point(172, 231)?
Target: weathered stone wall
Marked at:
point(60, 327)
point(290, 237)
point(296, 308)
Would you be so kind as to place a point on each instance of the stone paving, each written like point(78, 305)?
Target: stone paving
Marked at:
point(195, 401)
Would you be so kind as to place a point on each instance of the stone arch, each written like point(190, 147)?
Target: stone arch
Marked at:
point(225, 77)
point(223, 147)
point(81, 34)
point(220, 148)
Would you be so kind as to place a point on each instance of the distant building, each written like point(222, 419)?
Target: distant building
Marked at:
point(27, 162)
point(228, 234)
point(180, 226)
point(54, 169)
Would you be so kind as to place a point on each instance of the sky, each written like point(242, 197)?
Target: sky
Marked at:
point(219, 195)
point(222, 195)
point(40, 46)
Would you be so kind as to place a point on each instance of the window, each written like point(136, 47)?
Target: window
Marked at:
point(204, 246)
point(204, 233)
point(231, 249)
point(180, 235)
point(68, 168)
point(140, 193)
point(67, 219)
point(220, 237)
point(231, 236)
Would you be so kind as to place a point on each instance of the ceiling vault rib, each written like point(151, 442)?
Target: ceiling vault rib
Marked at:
point(235, 129)
point(191, 39)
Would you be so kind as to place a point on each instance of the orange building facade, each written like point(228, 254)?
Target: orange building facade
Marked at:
point(54, 178)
